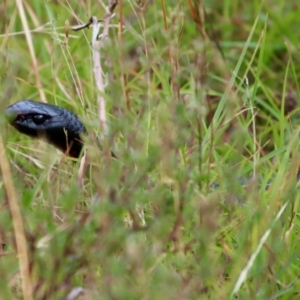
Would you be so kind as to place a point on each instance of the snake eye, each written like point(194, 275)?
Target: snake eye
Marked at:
point(39, 119)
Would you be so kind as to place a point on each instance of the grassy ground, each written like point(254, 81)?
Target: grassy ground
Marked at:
point(195, 96)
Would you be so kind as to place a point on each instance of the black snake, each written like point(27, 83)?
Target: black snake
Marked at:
point(57, 126)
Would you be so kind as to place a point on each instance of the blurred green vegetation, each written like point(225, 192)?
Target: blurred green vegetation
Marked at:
point(197, 93)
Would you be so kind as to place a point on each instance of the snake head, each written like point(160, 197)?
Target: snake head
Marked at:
point(54, 124)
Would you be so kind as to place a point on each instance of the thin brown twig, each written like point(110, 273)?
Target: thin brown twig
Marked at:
point(109, 14)
point(83, 26)
point(166, 27)
point(164, 14)
point(199, 18)
point(173, 56)
point(121, 39)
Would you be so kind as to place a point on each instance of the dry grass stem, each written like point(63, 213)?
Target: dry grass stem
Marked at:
point(17, 223)
point(31, 49)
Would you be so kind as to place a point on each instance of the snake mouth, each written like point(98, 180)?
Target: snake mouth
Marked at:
point(12, 114)
point(15, 114)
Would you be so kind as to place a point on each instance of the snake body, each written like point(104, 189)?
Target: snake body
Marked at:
point(56, 125)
